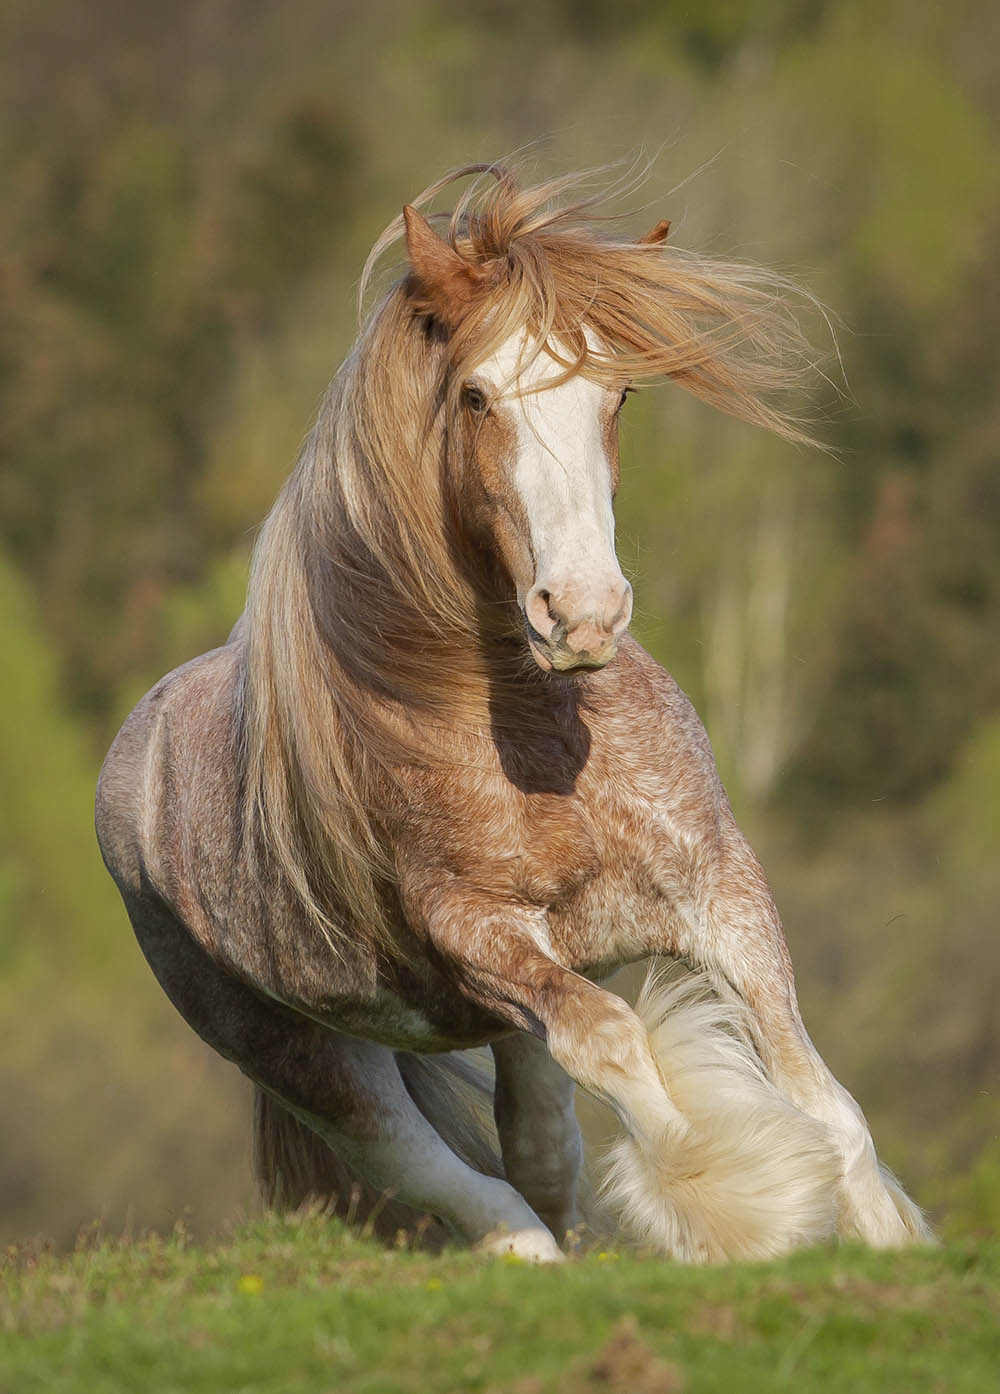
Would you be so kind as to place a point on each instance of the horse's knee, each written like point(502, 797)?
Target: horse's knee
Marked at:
point(603, 1042)
point(597, 1034)
point(607, 1050)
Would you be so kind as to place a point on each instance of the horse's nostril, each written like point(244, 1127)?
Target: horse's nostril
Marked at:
point(621, 619)
point(542, 614)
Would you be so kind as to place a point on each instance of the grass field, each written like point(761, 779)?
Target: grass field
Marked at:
point(301, 1307)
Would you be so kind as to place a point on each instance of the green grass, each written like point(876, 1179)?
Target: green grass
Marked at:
point(301, 1307)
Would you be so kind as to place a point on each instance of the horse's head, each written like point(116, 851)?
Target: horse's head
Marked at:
point(538, 448)
point(541, 323)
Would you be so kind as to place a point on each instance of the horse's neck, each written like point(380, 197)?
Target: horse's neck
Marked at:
point(538, 731)
point(437, 697)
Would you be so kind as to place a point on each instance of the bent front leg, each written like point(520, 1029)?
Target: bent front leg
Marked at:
point(539, 1135)
point(497, 954)
point(695, 1186)
point(680, 1181)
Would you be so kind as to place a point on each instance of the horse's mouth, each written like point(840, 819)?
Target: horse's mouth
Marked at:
point(558, 657)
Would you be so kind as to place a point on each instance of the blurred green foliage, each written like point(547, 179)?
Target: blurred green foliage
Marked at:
point(190, 193)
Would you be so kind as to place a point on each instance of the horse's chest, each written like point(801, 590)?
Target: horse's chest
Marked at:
point(619, 868)
point(536, 848)
point(548, 853)
point(550, 850)
point(610, 916)
point(611, 858)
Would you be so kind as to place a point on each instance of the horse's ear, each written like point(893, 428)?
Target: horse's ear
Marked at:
point(656, 234)
point(441, 283)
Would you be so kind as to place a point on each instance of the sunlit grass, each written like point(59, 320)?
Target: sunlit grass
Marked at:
point(301, 1305)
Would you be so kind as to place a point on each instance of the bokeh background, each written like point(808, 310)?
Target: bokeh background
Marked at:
point(187, 193)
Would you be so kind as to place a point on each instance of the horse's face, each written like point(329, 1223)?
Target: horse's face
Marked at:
point(544, 457)
point(540, 465)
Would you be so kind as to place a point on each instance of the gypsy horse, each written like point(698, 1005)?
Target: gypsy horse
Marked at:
point(431, 793)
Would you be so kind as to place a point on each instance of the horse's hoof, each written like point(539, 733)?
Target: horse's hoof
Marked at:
point(524, 1245)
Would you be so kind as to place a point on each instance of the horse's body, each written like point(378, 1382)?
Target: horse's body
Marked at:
point(370, 829)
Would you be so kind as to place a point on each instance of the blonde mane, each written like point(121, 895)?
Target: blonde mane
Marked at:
point(363, 624)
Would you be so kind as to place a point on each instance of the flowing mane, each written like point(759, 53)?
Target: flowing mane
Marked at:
point(364, 616)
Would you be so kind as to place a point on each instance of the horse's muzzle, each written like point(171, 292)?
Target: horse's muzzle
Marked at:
point(568, 632)
point(555, 655)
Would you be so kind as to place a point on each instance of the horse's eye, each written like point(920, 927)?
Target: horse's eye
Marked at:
point(474, 398)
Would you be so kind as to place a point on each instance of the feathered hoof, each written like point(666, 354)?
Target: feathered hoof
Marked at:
point(752, 1177)
point(876, 1209)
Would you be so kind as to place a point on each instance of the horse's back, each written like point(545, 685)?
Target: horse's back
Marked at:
point(186, 725)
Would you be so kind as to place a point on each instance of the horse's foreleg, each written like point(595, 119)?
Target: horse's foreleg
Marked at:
point(348, 1091)
point(497, 956)
point(539, 1134)
point(734, 931)
point(386, 1138)
point(698, 1192)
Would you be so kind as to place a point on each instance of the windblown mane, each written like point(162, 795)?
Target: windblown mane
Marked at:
point(361, 618)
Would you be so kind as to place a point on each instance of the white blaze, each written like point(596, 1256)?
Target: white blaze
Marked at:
point(562, 473)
